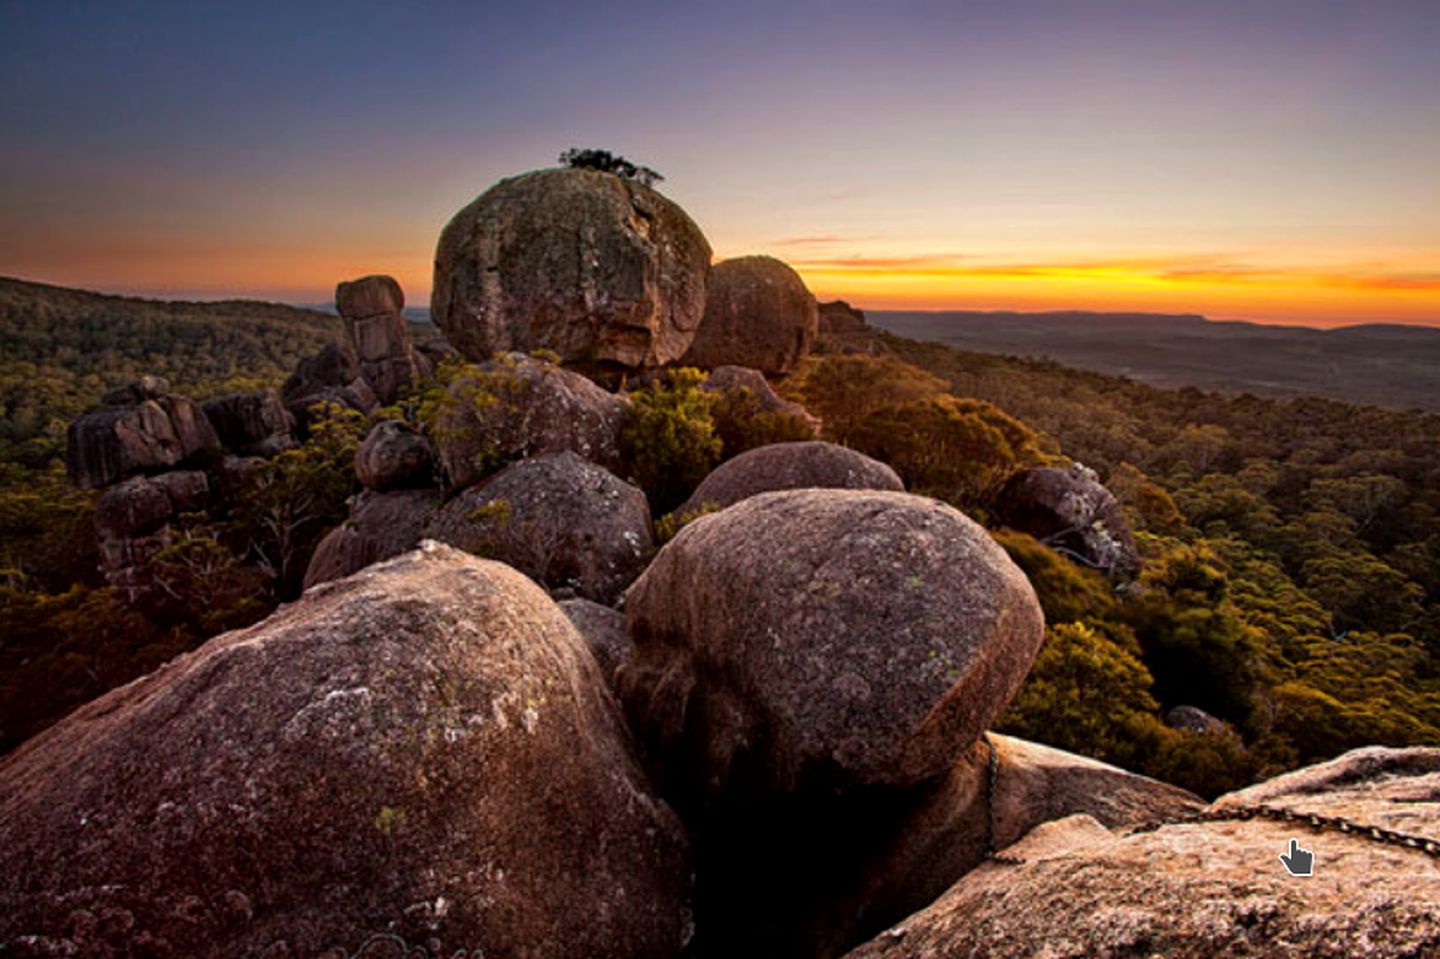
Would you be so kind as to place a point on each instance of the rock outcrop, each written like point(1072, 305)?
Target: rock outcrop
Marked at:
point(152, 435)
point(252, 424)
point(604, 629)
point(1203, 889)
point(372, 308)
point(330, 376)
point(421, 757)
point(838, 317)
point(395, 455)
point(901, 850)
point(1194, 719)
point(933, 835)
point(147, 387)
point(842, 329)
point(596, 268)
point(758, 313)
point(516, 406)
point(742, 379)
point(782, 466)
point(380, 526)
point(1070, 511)
point(823, 639)
point(569, 524)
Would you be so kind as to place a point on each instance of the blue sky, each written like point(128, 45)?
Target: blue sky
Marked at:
point(1274, 160)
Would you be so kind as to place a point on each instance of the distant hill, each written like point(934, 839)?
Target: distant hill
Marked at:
point(1395, 366)
point(61, 348)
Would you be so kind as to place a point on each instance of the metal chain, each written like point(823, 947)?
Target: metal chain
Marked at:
point(1389, 837)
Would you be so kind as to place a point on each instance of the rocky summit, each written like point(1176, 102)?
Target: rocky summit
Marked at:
point(512, 712)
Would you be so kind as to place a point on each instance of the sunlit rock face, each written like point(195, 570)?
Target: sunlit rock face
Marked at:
point(758, 313)
point(1202, 889)
point(590, 266)
point(423, 756)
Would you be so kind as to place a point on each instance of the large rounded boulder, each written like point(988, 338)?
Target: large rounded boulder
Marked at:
point(758, 313)
point(1071, 511)
point(594, 267)
point(1197, 889)
point(823, 639)
point(782, 466)
point(571, 525)
point(420, 759)
point(514, 406)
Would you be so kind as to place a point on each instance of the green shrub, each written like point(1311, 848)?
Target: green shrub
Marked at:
point(668, 439)
point(742, 423)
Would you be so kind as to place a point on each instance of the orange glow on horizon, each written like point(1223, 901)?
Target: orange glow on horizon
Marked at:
point(1318, 297)
point(1327, 295)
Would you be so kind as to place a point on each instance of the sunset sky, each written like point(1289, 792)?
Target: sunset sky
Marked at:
point(1274, 160)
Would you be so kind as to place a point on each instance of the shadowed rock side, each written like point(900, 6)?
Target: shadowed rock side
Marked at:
point(758, 313)
point(252, 424)
point(1071, 511)
point(330, 376)
point(599, 269)
point(1209, 889)
point(933, 835)
point(425, 751)
point(515, 406)
point(782, 466)
point(150, 435)
point(604, 629)
point(380, 526)
point(395, 455)
point(573, 526)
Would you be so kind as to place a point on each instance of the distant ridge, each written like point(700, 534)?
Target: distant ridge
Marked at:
point(1384, 364)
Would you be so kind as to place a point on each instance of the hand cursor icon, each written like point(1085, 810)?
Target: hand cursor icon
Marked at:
point(1300, 862)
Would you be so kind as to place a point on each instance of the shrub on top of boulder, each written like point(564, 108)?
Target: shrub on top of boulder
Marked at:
point(597, 268)
point(758, 313)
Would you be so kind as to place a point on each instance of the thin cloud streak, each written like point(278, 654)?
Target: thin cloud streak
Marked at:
point(1204, 270)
